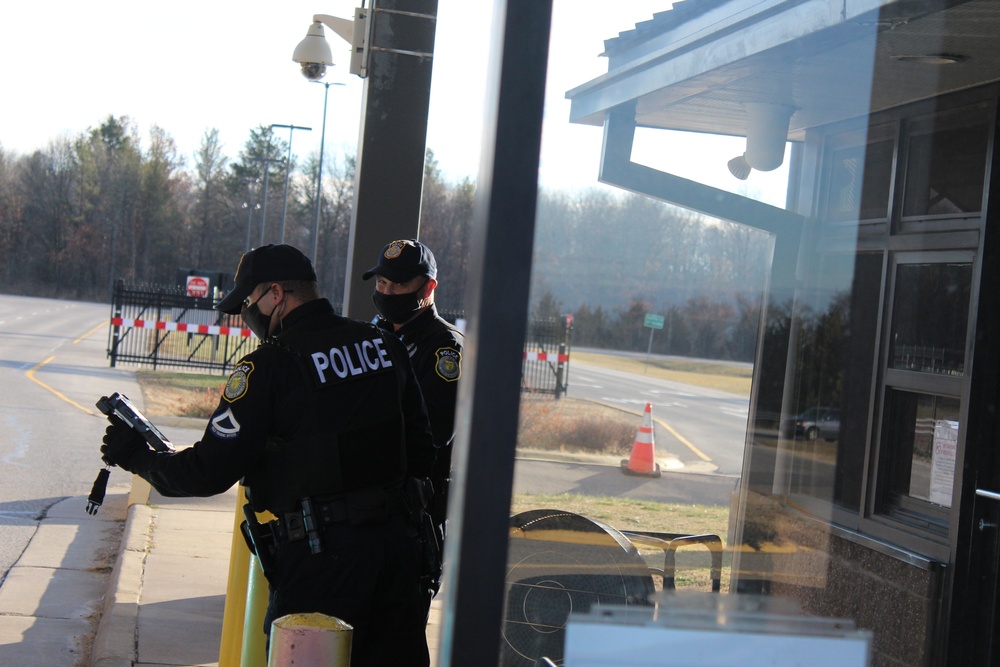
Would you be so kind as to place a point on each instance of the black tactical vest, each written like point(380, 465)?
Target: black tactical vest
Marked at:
point(349, 434)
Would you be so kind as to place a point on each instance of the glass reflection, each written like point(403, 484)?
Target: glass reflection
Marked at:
point(930, 317)
point(844, 291)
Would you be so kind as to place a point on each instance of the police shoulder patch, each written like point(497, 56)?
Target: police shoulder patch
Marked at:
point(449, 364)
point(238, 382)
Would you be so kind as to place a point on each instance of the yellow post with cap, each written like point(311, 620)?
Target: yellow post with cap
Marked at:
point(310, 639)
point(242, 643)
point(254, 653)
point(230, 647)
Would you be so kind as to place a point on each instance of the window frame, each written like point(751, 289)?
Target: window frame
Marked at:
point(932, 238)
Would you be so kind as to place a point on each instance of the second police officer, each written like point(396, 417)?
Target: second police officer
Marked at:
point(405, 279)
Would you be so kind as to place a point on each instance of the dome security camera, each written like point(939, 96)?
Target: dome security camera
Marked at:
point(313, 71)
point(313, 53)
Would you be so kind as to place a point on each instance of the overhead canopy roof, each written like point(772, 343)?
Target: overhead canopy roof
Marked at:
point(695, 66)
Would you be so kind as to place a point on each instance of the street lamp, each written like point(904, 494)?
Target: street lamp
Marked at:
point(319, 174)
point(288, 166)
point(249, 206)
point(267, 173)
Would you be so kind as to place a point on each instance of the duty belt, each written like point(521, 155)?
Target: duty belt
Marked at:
point(367, 507)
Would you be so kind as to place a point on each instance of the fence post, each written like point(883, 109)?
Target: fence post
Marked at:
point(561, 372)
point(116, 311)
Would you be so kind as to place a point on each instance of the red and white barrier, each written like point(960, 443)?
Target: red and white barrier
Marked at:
point(546, 356)
point(182, 327)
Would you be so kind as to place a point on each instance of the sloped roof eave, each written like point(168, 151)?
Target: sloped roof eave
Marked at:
point(676, 57)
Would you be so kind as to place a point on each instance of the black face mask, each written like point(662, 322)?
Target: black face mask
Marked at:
point(397, 308)
point(256, 321)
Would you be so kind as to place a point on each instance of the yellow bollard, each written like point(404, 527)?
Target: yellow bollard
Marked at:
point(139, 492)
point(230, 649)
point(254, 639)
point(311, 640)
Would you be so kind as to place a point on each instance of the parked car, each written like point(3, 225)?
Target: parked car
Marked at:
point(813, 424)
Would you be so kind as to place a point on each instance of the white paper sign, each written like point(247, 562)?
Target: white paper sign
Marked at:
point(943, 461)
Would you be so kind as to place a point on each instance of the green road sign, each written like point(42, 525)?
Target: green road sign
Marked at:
point(653, 321)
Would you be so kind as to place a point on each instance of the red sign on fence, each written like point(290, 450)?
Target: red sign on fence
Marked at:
point(197, 286)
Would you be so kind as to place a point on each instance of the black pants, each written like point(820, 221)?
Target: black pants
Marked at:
point(367, 576)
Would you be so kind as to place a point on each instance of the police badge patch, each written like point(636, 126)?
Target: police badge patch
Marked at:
point(238, 382)
point(395, 249)
point(449, 364)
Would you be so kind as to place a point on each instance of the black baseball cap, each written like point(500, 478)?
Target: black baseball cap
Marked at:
point(402, 261)
point(260, 265)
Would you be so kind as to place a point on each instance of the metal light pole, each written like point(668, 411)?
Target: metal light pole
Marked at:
point(267, 173)
point(319, 173)
point(249, 206)
point(288, 166)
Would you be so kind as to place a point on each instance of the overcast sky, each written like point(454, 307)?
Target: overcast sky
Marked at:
point(189, 66)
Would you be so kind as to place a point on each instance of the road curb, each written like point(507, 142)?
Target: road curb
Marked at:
point(115, 642)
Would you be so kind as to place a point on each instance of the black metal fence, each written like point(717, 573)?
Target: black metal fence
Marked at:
point(157, 325)
point(162, 326)
point(545, 369)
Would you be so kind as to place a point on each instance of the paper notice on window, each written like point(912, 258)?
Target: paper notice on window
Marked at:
point(943, 461)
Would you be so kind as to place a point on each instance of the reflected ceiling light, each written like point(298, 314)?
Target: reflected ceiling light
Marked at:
point(767, 132)
point(931, 58)
point(739, 168)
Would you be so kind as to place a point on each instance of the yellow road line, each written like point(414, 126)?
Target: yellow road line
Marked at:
point(31, 376)
point(86, 335)
point(684, 441)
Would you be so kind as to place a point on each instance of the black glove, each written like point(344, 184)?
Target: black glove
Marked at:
point(121, 445)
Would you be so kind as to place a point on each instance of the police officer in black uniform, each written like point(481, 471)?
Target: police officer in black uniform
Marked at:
point(405, 280)
point(323, 424)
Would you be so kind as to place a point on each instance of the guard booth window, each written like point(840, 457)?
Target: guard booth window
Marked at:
point(945, 161)
point(926, 361)
point(881, 320)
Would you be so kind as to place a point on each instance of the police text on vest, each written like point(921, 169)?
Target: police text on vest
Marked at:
point(353, 359)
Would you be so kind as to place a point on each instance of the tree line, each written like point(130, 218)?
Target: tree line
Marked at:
point(84, 211)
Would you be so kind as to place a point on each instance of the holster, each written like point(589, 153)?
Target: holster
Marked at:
point(418, 495)
point(260, 541)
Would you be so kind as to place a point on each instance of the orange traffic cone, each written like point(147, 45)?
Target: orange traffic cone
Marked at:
point(641, 462)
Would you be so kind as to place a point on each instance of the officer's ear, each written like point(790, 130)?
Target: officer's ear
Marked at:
point(428, 287)
point(277, 292)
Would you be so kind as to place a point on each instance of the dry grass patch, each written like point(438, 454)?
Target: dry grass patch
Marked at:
point(575, 426)
point(179, 394)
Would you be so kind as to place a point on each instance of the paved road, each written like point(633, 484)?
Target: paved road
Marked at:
point(53, 367)
point(695, 424)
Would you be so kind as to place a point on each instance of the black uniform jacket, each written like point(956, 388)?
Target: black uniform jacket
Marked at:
point(329, 405)
point(435, 349)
